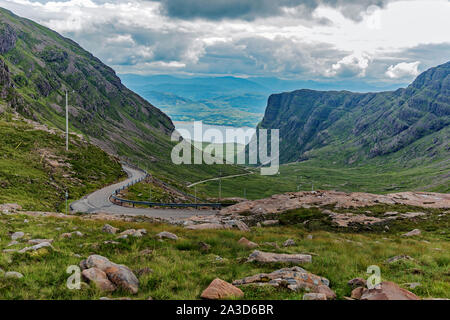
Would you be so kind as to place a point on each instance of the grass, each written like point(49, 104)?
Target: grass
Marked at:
point(35, 169)
point(182, 271)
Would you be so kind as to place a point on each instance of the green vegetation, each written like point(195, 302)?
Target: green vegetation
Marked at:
point(35, 169)
point(181, 270)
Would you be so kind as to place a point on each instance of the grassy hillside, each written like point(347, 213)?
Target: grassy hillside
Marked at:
point(35, 169)
point(181, 270)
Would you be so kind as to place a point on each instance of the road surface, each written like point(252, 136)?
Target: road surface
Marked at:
point(98, 202)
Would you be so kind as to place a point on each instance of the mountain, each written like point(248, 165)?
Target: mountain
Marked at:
point(38, 66)
point(228, 100)
point(410, 125)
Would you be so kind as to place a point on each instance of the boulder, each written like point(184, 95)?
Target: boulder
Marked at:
point(99, 278)
point(123, 278)
point(219, 289)
point(269, 257)
point(97, 261)
point(289, 243)
point(109, 229)
point(167, 235)
point(388, 291)
point(247, 243)
point(411, 233)
point(314, 296)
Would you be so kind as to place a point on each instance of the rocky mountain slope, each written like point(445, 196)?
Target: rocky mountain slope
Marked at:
point(37, 67)
point(346, 128)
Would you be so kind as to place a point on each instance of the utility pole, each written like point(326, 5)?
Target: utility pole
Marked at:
point(220, 185)
point(67, 205)
point(67, 121)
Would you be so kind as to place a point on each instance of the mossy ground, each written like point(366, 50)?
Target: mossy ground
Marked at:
point(181, 270)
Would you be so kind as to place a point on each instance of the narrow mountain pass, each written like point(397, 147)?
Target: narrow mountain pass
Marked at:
point(98, 202)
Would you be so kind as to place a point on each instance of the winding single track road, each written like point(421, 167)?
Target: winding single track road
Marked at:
point(98, 202)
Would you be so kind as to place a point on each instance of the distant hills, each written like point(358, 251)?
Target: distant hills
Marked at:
point(408, 126)
point(224, 100)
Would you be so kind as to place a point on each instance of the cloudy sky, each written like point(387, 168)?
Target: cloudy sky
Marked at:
point(372, 40)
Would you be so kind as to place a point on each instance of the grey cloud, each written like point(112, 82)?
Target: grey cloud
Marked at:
point(252, 9)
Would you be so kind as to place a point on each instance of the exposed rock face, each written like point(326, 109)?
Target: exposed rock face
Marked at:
point(268, 257)
point(100, 279)
point(8, 38)
point(247, 243)
point(294, 200)
point(167, 235)
point(219, 289)
point(388, 291)
point(295, 279)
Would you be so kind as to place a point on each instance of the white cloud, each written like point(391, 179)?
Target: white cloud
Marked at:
point(353, 65)
point(403, 69)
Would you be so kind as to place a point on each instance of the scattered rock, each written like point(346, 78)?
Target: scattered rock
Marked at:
point(13, 275)
point(241, 225)
point(270, 222)
point(206, 226)
point(414, 232)
point(219, 289)
point(17, 235)
point(268, 257)
point(71, 234)
point(314, 296)
point(357, 293)
point(99, 278)
point(388, 291)
point(37, 241)
point(357, 282)
point(131, 232)
point(323, 289)
point(167, 235)
point(121, 276)
point(109, 229)
point(413, 214)
point(204, 246)
point(309, 237)
point(111, 242)
point(247, 243)
point(289, 243)
point(36, 247)
point(400, 257)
